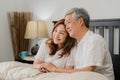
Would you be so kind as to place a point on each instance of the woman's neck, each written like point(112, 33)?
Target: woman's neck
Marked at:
point(59, 46)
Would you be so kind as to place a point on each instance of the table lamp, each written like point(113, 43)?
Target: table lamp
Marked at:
point(36, 30)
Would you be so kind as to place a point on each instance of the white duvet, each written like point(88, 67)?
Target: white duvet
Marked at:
point(13, 70)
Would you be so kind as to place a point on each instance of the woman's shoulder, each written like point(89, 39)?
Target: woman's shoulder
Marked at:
point(40, 41)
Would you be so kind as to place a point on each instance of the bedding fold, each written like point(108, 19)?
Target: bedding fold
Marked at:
point(14, 70)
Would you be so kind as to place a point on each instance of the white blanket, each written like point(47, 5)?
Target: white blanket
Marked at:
point(21, 71)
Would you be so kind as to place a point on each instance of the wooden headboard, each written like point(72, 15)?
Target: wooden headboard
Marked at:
point(110, 30)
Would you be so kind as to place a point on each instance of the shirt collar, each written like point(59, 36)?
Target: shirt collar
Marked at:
point(84, 37)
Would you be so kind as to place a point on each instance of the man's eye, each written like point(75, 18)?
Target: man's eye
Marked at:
point(68, 23)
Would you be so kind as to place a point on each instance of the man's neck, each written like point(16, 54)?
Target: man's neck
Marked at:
point(82, 33)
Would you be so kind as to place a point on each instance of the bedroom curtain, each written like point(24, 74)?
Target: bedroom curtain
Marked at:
point(17, 23)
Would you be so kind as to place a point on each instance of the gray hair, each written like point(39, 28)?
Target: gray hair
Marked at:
point(80, 12)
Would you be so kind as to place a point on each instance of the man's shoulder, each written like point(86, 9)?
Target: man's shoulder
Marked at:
point(96, 36)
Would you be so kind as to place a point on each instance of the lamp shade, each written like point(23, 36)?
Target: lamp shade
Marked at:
point(36, 29)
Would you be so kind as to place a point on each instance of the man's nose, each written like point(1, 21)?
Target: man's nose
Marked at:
point(67, 27)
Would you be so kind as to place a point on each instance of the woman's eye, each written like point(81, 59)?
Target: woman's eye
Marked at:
point(55, 30)
point(62, 32)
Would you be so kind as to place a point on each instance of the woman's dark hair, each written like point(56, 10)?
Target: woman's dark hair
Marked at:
point(68, 44)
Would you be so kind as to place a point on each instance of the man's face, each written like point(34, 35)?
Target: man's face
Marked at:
point(71, 25)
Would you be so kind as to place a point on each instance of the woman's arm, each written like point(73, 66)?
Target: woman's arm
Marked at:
point(51, 67)
point(37, 63)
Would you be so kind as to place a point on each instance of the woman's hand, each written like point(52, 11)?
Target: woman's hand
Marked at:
point(49, 66)
point(42, 69)
point(38, 64)
point(44, 66)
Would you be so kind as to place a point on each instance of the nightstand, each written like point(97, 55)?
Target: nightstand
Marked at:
point(28, 59)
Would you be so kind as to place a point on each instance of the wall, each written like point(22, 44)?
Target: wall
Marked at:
point(55, 9)
point(50, 10)
point(6, 50)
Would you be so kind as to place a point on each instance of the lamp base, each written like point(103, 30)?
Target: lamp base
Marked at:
point(34, 49)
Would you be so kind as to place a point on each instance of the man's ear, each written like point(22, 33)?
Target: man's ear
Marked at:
point(81, 21)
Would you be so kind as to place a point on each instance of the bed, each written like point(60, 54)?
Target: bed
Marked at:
point(108, 28)
point(14, 70)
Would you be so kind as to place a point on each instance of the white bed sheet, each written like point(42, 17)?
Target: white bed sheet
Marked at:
point(13, 70)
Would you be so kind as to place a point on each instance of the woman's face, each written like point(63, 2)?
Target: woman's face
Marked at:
point(59, 35)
